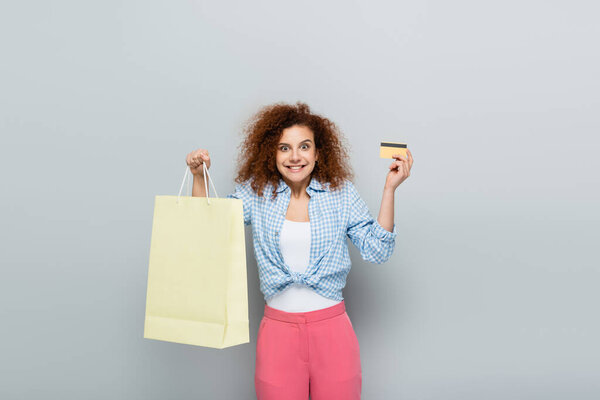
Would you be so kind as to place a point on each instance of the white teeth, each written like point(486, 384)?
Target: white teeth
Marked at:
point(295, 167)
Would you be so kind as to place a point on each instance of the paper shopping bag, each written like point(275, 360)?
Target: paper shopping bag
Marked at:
point(197, 282)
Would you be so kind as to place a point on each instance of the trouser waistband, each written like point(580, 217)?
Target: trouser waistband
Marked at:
point(303, 317)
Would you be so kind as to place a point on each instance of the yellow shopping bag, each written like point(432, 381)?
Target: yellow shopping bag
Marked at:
point(197, 282)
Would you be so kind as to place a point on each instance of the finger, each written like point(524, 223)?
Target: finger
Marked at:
point(410, 158)
point(401, 166)
point(406, 169)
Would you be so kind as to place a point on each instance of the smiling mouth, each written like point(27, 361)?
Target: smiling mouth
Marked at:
point(295, 169)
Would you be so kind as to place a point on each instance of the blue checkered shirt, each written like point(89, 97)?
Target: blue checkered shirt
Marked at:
point(334, 214)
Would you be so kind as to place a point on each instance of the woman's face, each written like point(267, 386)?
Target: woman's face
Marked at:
point(296, 148)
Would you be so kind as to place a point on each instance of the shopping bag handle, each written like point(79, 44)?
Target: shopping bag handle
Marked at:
point(205, 172)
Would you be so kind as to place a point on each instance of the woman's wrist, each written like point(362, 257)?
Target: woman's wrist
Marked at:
point(389, 190)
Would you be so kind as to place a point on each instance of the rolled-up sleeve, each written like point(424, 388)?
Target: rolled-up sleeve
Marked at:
point(375, 243)
point(244, 192)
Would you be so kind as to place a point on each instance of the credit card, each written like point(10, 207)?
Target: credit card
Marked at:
point(388, 149)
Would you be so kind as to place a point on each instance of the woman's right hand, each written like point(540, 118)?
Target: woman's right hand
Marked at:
point(195, 160)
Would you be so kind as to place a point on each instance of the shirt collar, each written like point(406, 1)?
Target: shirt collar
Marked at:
point(313, 186)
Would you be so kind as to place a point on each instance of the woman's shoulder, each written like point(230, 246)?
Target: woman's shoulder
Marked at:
point(326, 186)
point(246, 188)
point(245, 185)
point(346, 191)
point(349, 191)
point(347, 187)
point(242, 190)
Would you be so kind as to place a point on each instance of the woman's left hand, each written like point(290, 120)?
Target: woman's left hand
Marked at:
point(399, 170)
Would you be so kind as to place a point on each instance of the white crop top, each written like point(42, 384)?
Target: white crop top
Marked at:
point(294, 243)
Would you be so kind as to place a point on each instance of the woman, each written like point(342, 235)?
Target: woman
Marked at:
point(293, 178)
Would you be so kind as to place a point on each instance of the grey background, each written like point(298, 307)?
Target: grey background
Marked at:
point(492, 289)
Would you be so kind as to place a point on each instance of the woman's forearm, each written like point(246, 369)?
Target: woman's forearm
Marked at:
point(386, 210)
point(198, 189)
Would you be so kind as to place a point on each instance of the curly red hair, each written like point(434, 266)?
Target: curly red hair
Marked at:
point(256, 159)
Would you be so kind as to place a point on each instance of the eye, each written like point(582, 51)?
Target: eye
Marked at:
point(305, 146)
point(283, 148)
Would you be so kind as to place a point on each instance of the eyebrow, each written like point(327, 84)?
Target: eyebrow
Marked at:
point(287, 144)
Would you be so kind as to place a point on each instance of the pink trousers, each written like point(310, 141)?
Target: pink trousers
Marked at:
point(312, 353)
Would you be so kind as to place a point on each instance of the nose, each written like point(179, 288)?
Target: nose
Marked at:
point(295, 155)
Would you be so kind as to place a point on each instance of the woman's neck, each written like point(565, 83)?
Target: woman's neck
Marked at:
point(298, 189)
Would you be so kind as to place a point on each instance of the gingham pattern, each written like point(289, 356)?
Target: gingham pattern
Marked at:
point(334, 214)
